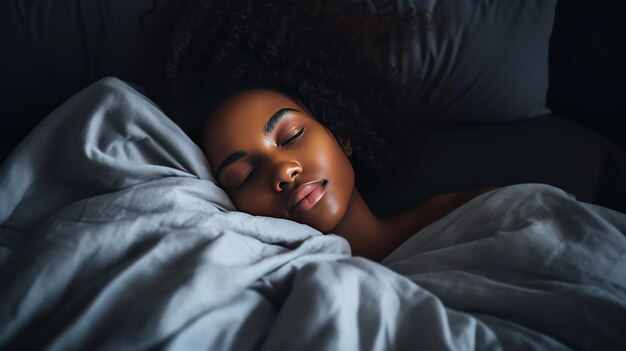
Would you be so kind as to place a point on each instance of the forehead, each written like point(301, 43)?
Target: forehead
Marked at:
point(251, 107)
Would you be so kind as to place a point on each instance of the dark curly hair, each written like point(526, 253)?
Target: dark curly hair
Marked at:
point(325, 54)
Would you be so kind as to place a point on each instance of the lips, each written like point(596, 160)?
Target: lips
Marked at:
point(307, 195)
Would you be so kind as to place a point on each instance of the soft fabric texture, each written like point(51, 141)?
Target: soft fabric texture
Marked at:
point(480, 61)
point(126, 243)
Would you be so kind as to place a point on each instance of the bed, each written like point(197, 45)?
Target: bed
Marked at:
point(114, 234)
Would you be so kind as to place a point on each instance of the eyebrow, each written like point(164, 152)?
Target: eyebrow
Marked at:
point(228, 161)
point(277, 116)
point(267, 129)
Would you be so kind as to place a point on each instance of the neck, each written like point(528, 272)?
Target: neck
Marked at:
point(375, 238)
point(369, 236)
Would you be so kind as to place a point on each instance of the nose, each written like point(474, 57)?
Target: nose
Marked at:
point(286, 173)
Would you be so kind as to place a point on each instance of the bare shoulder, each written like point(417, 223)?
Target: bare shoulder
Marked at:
point(440, 205)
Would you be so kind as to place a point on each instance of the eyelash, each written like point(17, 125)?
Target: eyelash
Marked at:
point(245, 180)
point(290, 140)
point(293, 138)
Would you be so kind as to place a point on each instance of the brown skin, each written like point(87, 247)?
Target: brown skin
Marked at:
point(300, 150)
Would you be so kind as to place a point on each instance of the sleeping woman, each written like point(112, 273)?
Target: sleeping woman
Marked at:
point(283, 97)
point(274, 158)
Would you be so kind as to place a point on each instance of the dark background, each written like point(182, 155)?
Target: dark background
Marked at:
point(587, 56)
point(587, 82)
point(586, 86)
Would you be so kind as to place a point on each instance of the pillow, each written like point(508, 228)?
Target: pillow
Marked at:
point(51, 49)
point(479, 61)
point(482, 60)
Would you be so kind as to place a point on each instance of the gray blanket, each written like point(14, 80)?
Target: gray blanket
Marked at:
point(115, 237)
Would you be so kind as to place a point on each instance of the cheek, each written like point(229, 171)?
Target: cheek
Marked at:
point(343, 179)
point(339, 168)
point(341, 186)
point(258, 203)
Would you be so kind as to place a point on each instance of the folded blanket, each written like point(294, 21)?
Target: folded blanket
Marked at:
point(119, 239)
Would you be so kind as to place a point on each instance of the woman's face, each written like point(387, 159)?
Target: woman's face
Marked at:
point(274, 159)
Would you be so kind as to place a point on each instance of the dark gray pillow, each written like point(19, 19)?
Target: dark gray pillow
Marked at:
point(480, 60)
point(51, 49)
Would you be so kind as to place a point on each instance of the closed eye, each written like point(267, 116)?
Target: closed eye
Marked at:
point(248, 177)
point(294, 137)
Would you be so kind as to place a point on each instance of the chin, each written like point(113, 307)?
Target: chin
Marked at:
point(321, 222)
point(327, 221)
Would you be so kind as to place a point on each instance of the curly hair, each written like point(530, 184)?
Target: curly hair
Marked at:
point(321, 53)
